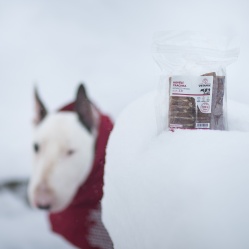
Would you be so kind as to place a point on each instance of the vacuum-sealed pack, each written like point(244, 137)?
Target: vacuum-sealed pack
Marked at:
point(193, 82)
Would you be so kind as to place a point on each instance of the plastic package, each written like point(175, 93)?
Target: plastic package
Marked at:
point(192, 86)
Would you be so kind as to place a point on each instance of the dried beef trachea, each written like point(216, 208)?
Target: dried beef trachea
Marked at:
point(203, 118)
point(217, 115)
point(202, 110)
point(182, 111)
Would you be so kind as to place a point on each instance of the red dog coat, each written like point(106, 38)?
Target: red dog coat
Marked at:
point(80, 223)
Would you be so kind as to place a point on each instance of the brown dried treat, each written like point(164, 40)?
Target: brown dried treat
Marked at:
point(203, 117)
point(217, 117)
point(182, 111)
point(183, 114)
point(183, 120)
point(182, 101)
point(218, 104)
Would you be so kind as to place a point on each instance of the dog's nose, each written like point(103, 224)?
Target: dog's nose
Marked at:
point(43, 197)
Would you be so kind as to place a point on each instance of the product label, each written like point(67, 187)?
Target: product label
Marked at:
point(190, 102)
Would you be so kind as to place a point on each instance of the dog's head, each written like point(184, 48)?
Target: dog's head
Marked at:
point(63, 149)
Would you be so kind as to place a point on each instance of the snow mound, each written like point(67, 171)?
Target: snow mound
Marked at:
point(182, 189)
point(23, 228)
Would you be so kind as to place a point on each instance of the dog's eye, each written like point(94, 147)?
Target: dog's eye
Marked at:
point(70, 152)
point(36, 147)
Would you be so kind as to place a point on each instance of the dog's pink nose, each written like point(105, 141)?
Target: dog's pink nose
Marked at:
point(43, 197)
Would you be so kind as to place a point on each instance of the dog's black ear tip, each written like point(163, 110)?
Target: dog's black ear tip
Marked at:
point(40, 110)
point(82, 86)
point(82, 89)
point(36, 93)
point(35, 90)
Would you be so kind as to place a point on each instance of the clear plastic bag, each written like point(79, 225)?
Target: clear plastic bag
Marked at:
point(192, 86)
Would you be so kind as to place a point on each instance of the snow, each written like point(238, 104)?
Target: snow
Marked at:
point(106, 44)
point(182, 189)
point(24, 228)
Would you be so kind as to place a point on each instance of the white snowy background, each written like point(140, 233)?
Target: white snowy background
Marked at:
point(104, 43)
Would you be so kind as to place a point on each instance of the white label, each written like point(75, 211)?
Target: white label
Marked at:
point(199, 87)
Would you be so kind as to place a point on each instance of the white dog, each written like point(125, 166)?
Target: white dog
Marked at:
point(69, 155)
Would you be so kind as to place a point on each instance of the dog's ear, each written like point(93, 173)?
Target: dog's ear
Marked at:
point(83, 108)
point(40, 110)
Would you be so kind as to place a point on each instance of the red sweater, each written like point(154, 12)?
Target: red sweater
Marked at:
point(80, 223)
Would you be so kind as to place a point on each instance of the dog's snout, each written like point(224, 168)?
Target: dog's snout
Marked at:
point(43, 187)
point(43, 197)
